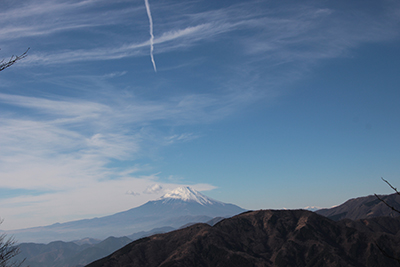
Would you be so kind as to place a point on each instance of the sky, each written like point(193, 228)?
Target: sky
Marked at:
point(263, 104)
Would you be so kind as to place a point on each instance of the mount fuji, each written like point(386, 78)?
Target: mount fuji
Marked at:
point(181, 206)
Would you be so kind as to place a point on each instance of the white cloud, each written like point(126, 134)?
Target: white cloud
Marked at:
point(153, 189)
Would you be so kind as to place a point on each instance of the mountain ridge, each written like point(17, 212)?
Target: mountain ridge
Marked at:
point(266, 238)
point(363, 208)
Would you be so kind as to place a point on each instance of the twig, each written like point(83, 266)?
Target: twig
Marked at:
point(391, 186)
point(385, 253)
point(390, 206)
point(12, 60)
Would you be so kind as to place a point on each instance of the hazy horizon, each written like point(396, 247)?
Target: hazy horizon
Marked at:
point(262, 104)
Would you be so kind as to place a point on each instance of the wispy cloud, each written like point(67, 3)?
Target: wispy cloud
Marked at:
point(306, 33)
point(21, 21)
point(300, 32)
point(151, 34)
point(184, 137)
point(68, 148)
point(59, 108)
point(182, 37)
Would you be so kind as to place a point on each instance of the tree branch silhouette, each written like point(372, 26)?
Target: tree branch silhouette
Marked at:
point(394, 209)
point(8, 250)
point(5, 64)
point(382, 200)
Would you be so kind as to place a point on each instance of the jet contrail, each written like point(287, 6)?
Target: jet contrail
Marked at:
point(146, 2)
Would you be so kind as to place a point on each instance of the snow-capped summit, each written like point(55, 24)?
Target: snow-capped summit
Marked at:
point(187, 193)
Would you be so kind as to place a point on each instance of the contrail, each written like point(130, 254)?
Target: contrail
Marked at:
point(146, 2)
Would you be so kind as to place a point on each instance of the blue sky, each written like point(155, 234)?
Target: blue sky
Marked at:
point(264, 104)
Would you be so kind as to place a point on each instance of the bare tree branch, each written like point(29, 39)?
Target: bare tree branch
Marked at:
point(12, 60)
point(382, 200)
point(387, 204)
point(391, 186)
point(8, 250)
point(394, 209)
point(385, 253)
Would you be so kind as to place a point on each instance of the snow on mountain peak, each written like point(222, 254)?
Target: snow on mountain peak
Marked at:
point(187, 193)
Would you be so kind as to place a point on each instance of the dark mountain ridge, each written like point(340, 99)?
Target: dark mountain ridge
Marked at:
point(363, 207)
point(268, 238)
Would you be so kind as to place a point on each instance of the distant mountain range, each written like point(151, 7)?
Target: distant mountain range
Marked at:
point(190, 204)
point(179, 207)
point(62, 254)
point(268, 238)
point(363, 207)
point(81, 252)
